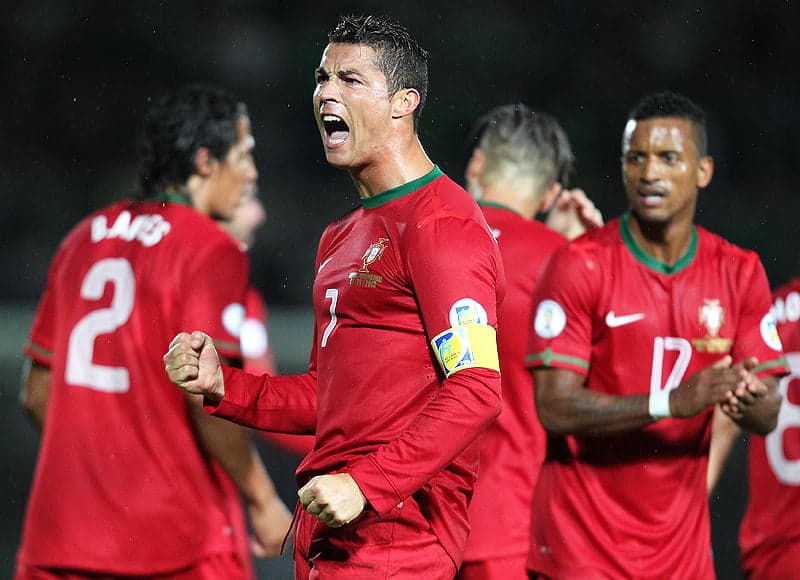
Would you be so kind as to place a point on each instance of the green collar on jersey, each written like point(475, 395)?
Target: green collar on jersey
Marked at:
point(401, 190)
point(498, 205)
point(648, 260)
point(173, 197)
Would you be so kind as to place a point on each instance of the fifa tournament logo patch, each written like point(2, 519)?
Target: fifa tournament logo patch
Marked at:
point(550, 319)
point(453, 350)
point(712, 316)
point(467, 311)
point(373, 253)
point(769, 331)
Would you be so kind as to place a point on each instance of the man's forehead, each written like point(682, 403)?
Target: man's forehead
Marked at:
point(340, 56)
point(659, 131)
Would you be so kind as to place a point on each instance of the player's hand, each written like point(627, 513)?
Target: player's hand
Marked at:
point(746, 393)
point(708, 387)
point(335, 499)
point(192, 363)
point(573, 213)
point(270, 523)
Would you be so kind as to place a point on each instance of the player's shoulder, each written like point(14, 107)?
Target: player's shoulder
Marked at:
point(712, 246)
point(597, 241)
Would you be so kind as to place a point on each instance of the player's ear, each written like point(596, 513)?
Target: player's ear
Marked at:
point(475, 165)
point(203, 162)
point(404, 103)
point(550, 196)
point(705, 169)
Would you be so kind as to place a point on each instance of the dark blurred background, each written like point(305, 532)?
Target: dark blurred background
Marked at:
point(77, 76)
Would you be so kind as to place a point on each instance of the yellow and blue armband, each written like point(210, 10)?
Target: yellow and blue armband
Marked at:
point(465, 347)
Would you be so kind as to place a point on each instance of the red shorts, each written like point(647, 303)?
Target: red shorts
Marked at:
point(214, 567)
point(400, 545)
point(503, 568)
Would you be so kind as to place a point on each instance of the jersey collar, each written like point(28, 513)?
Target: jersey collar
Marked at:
point(498, 205)
point(173, 197)
point(401, 190)
point(648, 260)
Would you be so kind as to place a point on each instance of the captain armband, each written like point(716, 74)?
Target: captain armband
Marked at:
point(466, 346)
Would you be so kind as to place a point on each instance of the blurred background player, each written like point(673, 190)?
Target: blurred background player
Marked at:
point(642, 327)
point(256, 344)
point(132, 477)
point(769, 538)
point(519, 167)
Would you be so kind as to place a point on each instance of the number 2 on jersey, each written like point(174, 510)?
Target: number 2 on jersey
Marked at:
point(81, 371)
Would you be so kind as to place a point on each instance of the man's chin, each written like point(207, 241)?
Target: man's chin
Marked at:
point(336, 160)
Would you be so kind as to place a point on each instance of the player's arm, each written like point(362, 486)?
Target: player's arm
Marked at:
point(565, 406)
point(35, 392)
point(281, 404)
point(724, 432)
point(232, 447)
point(470, 397)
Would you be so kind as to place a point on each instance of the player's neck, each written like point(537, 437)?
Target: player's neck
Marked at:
point(393, 167)
point(666, 242)
point(518, 202)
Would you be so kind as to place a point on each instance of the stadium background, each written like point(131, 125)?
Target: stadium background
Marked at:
point(77, 75)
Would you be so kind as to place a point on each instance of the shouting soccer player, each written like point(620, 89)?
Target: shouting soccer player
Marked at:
point(404, 371)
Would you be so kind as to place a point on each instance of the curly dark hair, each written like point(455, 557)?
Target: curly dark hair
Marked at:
point(671, 104)
point(177, 125)
point(401, 59)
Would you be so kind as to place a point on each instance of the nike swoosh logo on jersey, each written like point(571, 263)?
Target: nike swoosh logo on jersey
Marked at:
point(613, 321)
point(325, 263)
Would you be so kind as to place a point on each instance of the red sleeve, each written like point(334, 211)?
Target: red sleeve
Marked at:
point(216, 306)
point(448, 260)
point(562, 313)
point(285, 404)
point(757, 334)
point(40, 344)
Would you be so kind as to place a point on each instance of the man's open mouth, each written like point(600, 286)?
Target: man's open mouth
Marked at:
point(336, 129)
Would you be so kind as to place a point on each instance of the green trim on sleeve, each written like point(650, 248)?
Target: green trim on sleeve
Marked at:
point(43, 352)
point(781, 362)
point(649, 261)
point(401, 190)
point(547, 357)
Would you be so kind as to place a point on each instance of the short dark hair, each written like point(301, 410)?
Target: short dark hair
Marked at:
point(671, 104)
point(401, 59)
point(176, 125)
point(515, 133)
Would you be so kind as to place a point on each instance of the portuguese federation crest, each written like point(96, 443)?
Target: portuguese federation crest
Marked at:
point(712, 315)
point(374, 252)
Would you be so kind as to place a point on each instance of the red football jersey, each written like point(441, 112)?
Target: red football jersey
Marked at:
point(392, 275)
point(634, 504)
point(512, 448)
point(770, 532)
point(121, 485)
